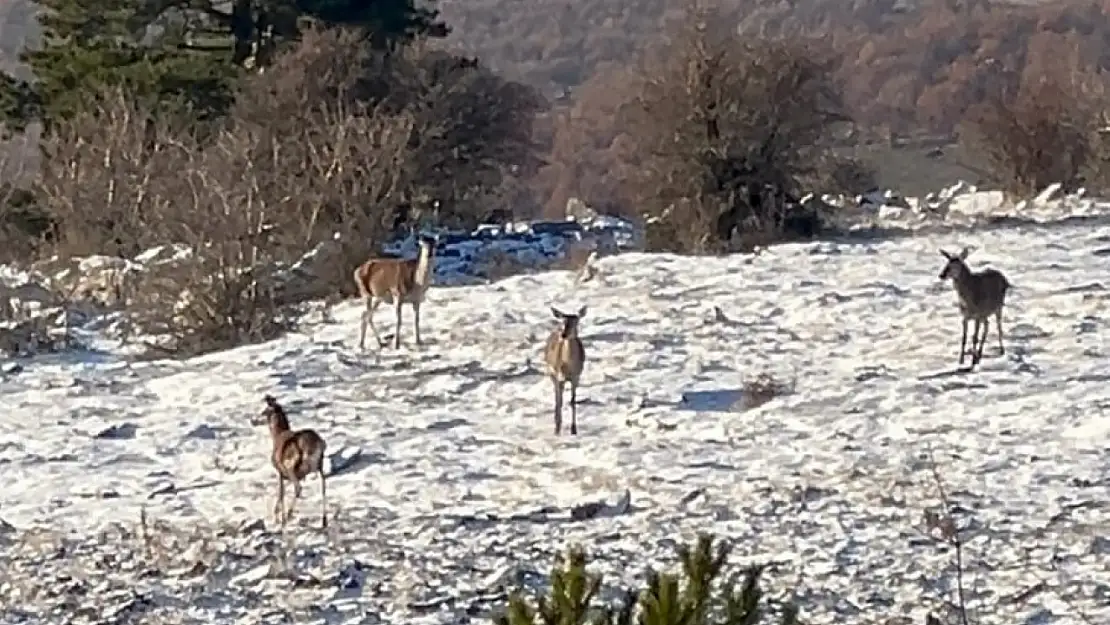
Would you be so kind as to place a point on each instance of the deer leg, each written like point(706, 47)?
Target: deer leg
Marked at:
point(323, 500)
point(368, 319)
point(416, 321)
point(963, 342)
point(279, 506)
point(998, 322)
point(986, 332)
point(362, 325)
point(975, 343)
point(397, 307)
point(558, 406)
point(983, 338)
point(293, 500)
point(574, 408)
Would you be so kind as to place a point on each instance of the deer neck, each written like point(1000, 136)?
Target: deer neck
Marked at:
point(424, 262)
point(963, 283)
point(278, 426)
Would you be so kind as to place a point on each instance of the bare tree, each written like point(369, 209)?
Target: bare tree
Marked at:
point(1045, 132)
point(95, 184)
point(728, 129)
point(473, 139)
point(23, 226)
point(298, 162)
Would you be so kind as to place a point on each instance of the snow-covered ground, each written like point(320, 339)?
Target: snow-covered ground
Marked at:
point(451, 488)
point(962, 205)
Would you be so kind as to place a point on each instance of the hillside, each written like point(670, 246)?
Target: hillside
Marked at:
point(904, 66)
point(449, 487)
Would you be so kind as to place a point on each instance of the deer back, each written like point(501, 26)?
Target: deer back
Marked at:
point(981, 293)
point(565, 357)
point(382, 277)
point(297, 454)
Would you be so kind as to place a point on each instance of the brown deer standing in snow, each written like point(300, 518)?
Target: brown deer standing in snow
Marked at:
point(565, 357)
point(982, 294)
point(396, 281)
point(296, 454)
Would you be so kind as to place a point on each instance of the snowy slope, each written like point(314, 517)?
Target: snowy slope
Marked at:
point(458, 478)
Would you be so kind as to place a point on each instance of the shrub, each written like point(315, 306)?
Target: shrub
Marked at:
point(296, 162)
point(764, 388)
point(1046, 132)
point(335, 148)
point(699, 595)
point(729, 130)
point(472, 141)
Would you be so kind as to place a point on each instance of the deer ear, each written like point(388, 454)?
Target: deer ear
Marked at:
point(558, 315)
point(946, 254)
point(964, 253)
point(581, 312)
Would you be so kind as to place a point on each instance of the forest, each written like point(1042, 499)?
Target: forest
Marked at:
point(258, 129)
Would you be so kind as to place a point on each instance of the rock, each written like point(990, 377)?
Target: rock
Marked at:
point(202, 432)
point(692, 495)
point(351, 575)
point(578, 210)
point(1100, 545)
point(252, 576)
point(251, 526)
point(599, 509)
point(586, 511)
point(1050, 193)
point(122, 431)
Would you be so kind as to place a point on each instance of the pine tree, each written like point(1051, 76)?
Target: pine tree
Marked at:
point(697, 596)
point(252, 30)
point(179, 55)
point(88, 45)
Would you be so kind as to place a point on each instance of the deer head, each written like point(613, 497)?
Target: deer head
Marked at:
point(570, 322)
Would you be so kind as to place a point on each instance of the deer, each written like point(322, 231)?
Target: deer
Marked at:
point(565, 358)
point(296, 454)
point(396, 281)
point(981, 294)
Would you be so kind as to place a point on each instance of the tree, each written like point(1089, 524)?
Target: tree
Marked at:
point(474, 132)
point(699, 594)
point(1048, 130)
point(730, 130)
point(90, 45)
point(589, 150)
point(181, 55)
point(252, 30)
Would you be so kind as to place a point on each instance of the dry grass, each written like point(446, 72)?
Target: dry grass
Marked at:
point(124, 568)
point(764, 388)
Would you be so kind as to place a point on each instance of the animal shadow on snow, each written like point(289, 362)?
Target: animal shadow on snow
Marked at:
point(1012, 355)
point(408, 343)
point(1015, 360)
point(348, 460)
point(948, 373)
point(726, 399)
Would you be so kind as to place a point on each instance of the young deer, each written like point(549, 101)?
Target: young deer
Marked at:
point(397, 281)
point(565, 358)
point(296, 454)
point(982, 294)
